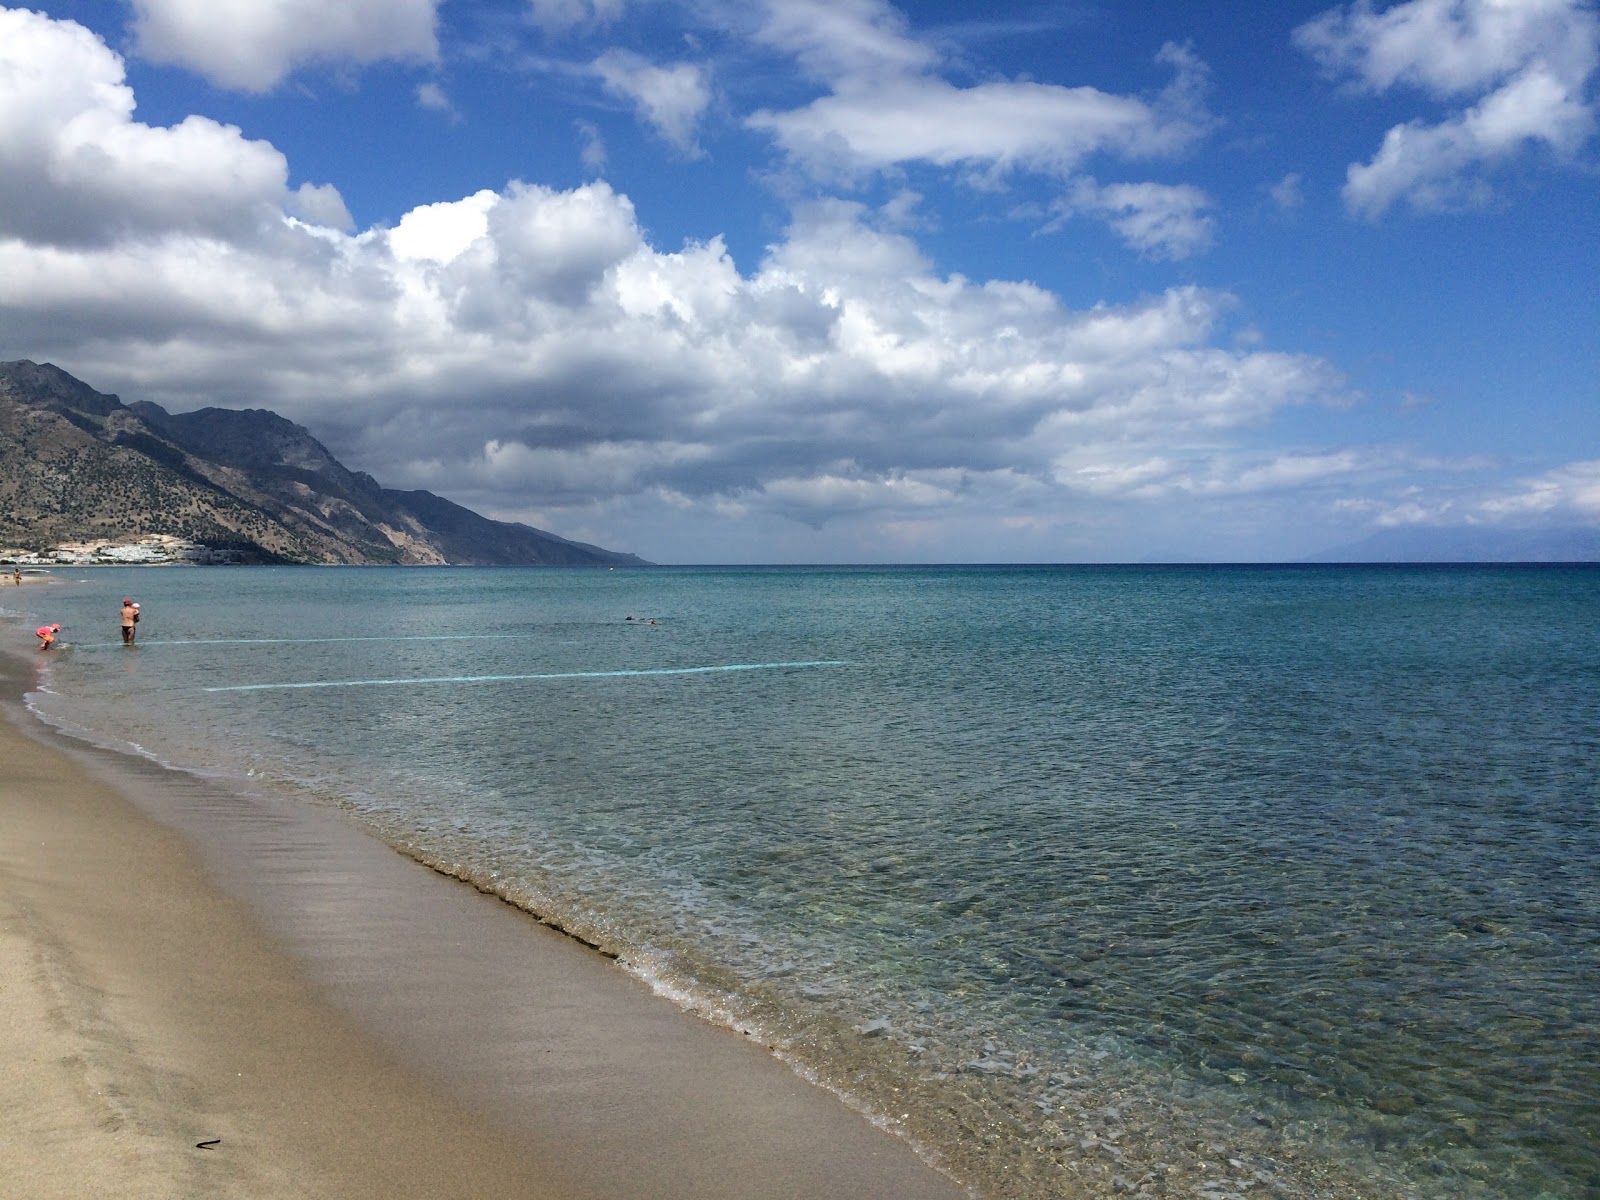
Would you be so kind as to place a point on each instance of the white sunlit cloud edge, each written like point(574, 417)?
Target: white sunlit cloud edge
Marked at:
point(1526, 68)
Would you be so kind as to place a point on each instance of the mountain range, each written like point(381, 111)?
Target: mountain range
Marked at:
point(77, 465)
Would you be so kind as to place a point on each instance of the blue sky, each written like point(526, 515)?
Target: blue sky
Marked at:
point(840, 280)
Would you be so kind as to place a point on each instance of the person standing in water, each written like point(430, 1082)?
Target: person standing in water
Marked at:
point(130, 621)
point(47, 635)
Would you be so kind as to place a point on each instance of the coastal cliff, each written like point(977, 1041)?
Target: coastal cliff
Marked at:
point(77, 464)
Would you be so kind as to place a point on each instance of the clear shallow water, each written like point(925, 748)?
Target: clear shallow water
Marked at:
point(1272, 880)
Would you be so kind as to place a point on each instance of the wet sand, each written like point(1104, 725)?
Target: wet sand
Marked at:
point(180, 965)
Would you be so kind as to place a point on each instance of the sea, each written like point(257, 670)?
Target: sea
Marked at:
point(1229, 881)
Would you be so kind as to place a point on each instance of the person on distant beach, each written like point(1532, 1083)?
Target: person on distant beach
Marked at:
point(47, 635)
point(130, 620)
point(16, 576)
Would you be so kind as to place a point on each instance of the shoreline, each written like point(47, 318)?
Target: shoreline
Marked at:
point(181, 964)
point(143, 1014)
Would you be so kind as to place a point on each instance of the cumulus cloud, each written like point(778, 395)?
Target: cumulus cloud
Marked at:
point(1523, 66)
point(441, 233)
point(77, 169)
point(551, 246)
point(670, 98)
point(1158, 220)
point(528, 349)
point(887, 106)
point(251, 45)
point(1452, 47)
point(321, 204)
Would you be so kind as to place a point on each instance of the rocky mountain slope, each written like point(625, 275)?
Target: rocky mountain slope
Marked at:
point(76, 464)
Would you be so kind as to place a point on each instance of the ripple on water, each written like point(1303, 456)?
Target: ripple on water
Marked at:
point(1156, 882)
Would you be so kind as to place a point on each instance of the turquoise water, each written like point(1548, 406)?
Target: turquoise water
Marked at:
point(1169, 878)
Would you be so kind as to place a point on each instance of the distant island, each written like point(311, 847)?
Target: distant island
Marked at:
point(85, 478)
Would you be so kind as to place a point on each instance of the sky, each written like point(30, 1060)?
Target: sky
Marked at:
point(828, 281)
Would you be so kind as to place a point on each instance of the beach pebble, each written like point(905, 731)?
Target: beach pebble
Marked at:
point(876, 1027)
point(987, 1065)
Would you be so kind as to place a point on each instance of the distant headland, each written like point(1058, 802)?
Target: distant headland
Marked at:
point(85, 478)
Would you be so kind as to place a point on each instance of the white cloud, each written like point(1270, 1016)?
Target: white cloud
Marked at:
point(1563, 496)
point(528, 350)
point(1453, 47)
point(1571, 491)
point(554, 246)
point(1158, 220)
point(251, 45)
point(1287, 193)
point(434, 98)
point(1526, 63)
point(1288, 471)
point(1375, 482)
point(814, 499)
point(591, 146)
point(1415, 512)
point(887, 106)
point(1003, 126)
point(845, 40)
point(321, 205)
point(442, 232)
point(76, 168)
point(561, 16)
point(1141, 477)
point(1429, 165)
point(670, 98)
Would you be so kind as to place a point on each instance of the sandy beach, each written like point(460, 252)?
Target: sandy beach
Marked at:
point(203, 995)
